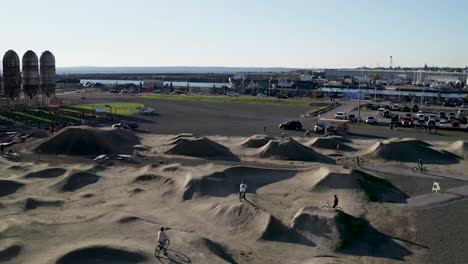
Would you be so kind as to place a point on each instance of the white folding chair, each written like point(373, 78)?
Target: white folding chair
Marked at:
point(436, 187)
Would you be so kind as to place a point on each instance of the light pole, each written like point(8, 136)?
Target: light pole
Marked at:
point(359, 103)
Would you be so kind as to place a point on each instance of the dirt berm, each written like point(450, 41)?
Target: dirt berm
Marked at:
point(290, 149)
point(459, 148)
point(256, 141)
point(335, 143)
point(339, 231)
point(201, 148)
point(89, 141)
point(407, 150)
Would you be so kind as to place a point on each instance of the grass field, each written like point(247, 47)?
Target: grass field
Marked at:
point(114, 107)
point(226, 99)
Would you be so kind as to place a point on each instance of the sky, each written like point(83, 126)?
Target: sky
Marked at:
point(240, 33)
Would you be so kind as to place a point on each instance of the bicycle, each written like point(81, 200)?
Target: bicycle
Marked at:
point(158, 248)
point(328, 206)
point(419, 169)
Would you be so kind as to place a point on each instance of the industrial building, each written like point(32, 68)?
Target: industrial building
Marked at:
point(416, 77)
point(37, 74)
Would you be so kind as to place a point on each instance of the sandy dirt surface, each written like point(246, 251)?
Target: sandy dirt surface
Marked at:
point(61, 205)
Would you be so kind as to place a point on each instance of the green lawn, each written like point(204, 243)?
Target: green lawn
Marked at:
point(32, 117)
point(113, 107)
point(226, 99)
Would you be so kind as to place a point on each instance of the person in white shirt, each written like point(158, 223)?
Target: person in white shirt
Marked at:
point(161, 237)
point(243, 189)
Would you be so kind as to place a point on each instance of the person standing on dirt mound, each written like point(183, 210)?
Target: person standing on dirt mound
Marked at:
point(242, 190)
point(335, 202)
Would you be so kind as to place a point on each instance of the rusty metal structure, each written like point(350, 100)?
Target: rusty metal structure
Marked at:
point(31, 78)
point(11, 75)
point(47, 73)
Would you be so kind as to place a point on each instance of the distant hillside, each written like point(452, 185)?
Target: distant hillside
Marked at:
point(85, 70)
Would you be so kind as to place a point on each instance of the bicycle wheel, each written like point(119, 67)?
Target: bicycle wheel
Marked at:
point(415, 169)
point(157, 250)
point(167, 242)
point(424, 170)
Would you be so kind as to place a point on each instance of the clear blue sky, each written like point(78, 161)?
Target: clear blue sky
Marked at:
point(287, 33)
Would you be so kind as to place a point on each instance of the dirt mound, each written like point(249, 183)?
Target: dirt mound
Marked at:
point(33, 203)
point(459, 148)
point(226, 182)
point(9, 251)
point(290, 149)
point(375, 188)
point(89, 141)
point(318, 226)
point(201, 148)
point(236, 215)
point(8, 187)
point(218, 250)
point(254, 222)
point(47, 173)
point(256, 141)
point(77, 181)
point(335, 143)
point(277, 231)
point(407, 150)
point(101, 254)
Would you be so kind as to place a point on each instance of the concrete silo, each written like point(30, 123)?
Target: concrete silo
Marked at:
point(11, 75)
point(30, 74)
point(47, 70)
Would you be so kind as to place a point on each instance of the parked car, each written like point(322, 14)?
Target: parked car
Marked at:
point(129, 126)
point(420, 123)
point(369, 106)
point(432, 117)
point(387, 114)
point(157, 91)
point(395, 118)
point(233, 94)
point(455, 124)
point(420, 116)
point(146, 111)
point(449, 104)
point(321, 128)
point(409, 115)
point(443, 124)
point(406, 121)
point(464, 105)
point(396, 107)
point(291, 125)
point(461, 112)
point(340, 115)
point(371, 120)
point(114, 91)
point(381, 111)
point(462, 120)
point(415, 109)
point(352, 118)
point(406, 109)
point(282, 96)
point(442, 115)
point(431, 123)
point(124, 91)
point(260, 95)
